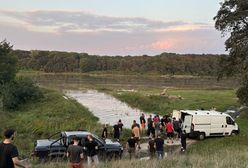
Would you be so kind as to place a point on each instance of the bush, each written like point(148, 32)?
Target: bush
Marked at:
point(19, 91)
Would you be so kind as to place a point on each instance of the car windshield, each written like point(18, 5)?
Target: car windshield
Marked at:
point(102, 141)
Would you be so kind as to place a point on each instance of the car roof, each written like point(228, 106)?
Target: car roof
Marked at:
point(77, 133)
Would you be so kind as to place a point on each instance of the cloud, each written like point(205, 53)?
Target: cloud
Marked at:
point(80, 21)
point(163, 44)
point(106, 35)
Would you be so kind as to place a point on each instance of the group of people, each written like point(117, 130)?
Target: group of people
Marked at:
point(156, 126)
point(9, 152)
point(153, 126)
point(116, 131)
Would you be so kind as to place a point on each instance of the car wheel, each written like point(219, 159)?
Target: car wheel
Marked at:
point(201, 136)
point(114, 155)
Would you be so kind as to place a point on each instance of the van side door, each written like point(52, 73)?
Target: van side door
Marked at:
point(217, 126)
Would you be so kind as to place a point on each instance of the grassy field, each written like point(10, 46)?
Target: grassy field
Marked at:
point(55, 113)
point(51, 114)
point(226, 152)
point(190, 99)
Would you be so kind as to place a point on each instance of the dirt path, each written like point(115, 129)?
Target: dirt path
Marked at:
point(171, 149)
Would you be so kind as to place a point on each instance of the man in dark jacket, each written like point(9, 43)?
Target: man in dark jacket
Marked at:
point(91, 151)
point(183, 140)
point(159, 146)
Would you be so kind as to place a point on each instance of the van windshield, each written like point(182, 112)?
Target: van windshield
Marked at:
point(230, 121)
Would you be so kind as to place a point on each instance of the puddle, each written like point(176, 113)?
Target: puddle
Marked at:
point(107, 108)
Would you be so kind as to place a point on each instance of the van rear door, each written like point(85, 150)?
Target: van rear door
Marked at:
point(187, 123)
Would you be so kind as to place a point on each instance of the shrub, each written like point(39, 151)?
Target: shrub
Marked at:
point(19, 91)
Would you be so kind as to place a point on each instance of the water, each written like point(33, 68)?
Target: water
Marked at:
point(107, 108)
point(131, 82)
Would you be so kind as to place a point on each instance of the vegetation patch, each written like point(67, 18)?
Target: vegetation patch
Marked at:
point(52, 113)
point(190, 99)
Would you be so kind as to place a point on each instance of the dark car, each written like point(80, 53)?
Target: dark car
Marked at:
point(57, 147)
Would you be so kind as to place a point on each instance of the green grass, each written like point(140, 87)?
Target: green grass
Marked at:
point(226, 152)
point(53, 113)
point(151, 101)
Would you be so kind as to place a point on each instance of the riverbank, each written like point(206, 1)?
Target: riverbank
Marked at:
point(51, 114)
point(128, 82)
point(164, 101)
point(107, 73)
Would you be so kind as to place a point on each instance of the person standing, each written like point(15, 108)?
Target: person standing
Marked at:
point(151, 147)
point(75, 154)
point(116, 132)
point(183, 140)
point(91, 151)
point(9, 153)
point(135, 124)
point(159, 145)
point(131, 146)
point(105, 132)
point(156, 122)
point(176, 126)
point(149, 125)
point(142, 123)
point(170, 131)
point(120, 124)
point(136, 132)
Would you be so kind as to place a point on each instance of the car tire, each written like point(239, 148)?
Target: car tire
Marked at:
point(233, 133)
point(114, 155)
point(201, 136)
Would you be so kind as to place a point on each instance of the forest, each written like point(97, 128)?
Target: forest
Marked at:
point(163, 64)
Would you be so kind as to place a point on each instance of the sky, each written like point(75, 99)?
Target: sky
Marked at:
point(112, 27)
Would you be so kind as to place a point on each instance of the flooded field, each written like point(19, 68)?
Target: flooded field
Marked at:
point(76, 81)
point(105, 107)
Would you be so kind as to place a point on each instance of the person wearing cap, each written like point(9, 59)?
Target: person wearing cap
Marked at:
point(75, 154)
point(9, 153)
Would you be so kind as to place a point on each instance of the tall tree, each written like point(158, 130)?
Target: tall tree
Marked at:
point(232, 18)
point(7, 63)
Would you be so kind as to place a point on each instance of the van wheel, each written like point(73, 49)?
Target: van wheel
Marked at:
point(201, 136)
point(233, 133)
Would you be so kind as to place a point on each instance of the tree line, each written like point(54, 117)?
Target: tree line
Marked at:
point(163, 64)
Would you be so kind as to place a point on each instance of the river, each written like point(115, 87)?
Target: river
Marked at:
point(107, 108)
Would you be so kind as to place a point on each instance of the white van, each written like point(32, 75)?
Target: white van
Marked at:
point(203, 123)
